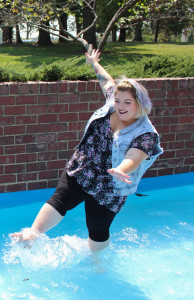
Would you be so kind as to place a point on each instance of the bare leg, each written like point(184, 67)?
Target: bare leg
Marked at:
point(94, 246)
point(47, 218)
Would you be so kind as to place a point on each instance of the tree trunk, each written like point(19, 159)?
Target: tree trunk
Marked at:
point(18, 37)
point(28, 29)
point(157, 31)
point(63, 19)
point(88, 18)
point(138, 32)
point(7, 34)
point(44, 38)
point(114, 34)
point(122, 35)
point(78, 24)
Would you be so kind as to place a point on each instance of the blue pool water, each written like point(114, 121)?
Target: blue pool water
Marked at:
point(151, 255)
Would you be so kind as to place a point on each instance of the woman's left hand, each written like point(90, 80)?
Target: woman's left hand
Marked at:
point(93, 57)
point(119, 175)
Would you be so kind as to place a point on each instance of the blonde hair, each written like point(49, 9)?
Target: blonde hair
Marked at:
point(139, 93)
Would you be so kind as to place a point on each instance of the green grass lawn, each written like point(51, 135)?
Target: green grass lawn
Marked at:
point(118, 58)
point(180, 49)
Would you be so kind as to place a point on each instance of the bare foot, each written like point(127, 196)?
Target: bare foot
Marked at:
point(27, 237)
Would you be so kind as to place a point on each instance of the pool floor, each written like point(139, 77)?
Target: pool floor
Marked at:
point(151, 254)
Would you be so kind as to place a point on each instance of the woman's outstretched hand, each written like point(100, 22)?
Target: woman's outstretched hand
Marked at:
point(119, 175)
point(93, 57)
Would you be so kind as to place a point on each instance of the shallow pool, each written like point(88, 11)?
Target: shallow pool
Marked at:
point(151, 255)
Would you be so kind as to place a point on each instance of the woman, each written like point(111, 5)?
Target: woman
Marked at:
point(119, 140)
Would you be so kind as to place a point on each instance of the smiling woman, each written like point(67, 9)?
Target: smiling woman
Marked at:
point(119, 143)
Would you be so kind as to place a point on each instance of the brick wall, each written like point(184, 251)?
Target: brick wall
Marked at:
point(41, 123)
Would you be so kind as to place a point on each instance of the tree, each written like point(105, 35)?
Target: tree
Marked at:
point(88, 18)
point(114, 33)
point(175, 15)
point(171, 16)
point(7, 28)
point(7, 34)
point(63, 17)
point(105, 9)
point(37, 12)
point(134, 20)
point(122, 35)
point(18, 37)
point(44, 38)
point(138, 32)
point(157, 31)
point(120, 12)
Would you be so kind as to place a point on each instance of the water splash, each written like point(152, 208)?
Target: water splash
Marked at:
point(47, 252)
point(157, 263)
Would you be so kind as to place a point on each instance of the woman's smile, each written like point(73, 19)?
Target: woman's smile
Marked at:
point(122, 112)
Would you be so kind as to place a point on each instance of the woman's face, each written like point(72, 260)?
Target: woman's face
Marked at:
point(126, 107)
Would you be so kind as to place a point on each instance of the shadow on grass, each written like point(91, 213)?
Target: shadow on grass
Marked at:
point(34, 56)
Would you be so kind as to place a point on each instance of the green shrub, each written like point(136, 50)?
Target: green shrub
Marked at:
point(10, 73)
point(4, 76)
point(52, 72)
point(78, 72)
point(76, 69)
point(156, 66)
point(169, 66)
point(34, 76)
point(17, 76)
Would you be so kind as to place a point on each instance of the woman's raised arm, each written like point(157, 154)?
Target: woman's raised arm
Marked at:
point(102, 75)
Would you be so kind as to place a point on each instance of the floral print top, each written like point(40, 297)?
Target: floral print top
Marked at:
point(90, 162)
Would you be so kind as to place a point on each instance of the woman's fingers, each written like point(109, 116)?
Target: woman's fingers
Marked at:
point(117, 172)
point(18, 236)
point(27, 237)
point(94, 54)
point(119, 175)
point(127, 181)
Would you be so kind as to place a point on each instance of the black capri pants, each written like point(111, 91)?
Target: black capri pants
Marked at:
point(69, 194)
